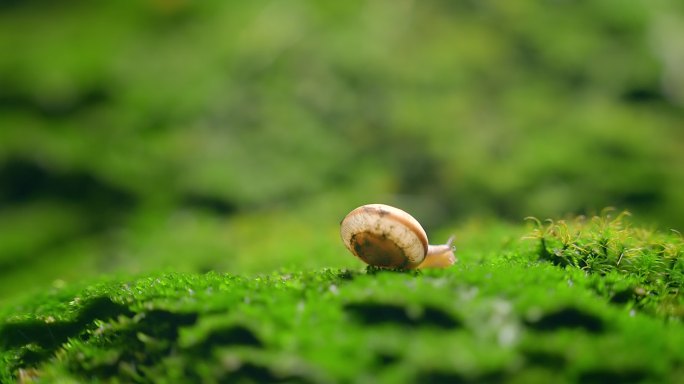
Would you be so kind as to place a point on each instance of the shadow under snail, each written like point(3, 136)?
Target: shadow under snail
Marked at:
point(387, 237)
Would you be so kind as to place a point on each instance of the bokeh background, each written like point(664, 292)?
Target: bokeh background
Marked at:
point(234, 136)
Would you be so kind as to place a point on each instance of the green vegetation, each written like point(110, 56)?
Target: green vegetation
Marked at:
point(176, 135)
point(173, 173)
point(624, 262)
point(501, 314)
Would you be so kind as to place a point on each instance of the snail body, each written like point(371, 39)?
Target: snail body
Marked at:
point(387, 237)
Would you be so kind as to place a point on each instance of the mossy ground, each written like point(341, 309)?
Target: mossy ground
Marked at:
point(504, 313)
point(160, 159)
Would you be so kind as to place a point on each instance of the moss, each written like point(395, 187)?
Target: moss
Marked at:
point(625, 263)
point(502, 316)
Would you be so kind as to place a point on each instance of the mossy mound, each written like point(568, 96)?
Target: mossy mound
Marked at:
point(501, 314)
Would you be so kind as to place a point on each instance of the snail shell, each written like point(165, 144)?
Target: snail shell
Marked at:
point(387, 237)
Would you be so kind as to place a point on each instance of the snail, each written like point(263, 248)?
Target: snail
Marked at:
point(387, 237)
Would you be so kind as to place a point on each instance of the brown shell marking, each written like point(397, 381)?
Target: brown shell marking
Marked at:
point(378, 250)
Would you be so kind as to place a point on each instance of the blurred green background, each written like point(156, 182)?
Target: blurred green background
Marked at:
point(234, 136)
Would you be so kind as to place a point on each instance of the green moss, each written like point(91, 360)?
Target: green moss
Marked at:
point(189, 137)
point(498, 315)
point(624, 262)
point(205, 152)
